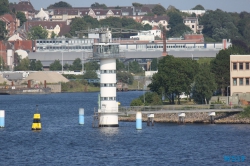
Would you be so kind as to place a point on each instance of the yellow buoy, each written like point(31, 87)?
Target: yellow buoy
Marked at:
point(36, 125)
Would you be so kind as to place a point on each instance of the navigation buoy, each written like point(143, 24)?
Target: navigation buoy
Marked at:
point(2, 116)
point(36, 125)
point(81, 116)
point(138, 120)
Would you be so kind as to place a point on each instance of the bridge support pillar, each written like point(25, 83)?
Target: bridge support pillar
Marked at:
point(181, 118)
point(211, 115)
point(150, 119)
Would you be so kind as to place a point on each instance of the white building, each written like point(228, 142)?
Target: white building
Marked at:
point(197, 12)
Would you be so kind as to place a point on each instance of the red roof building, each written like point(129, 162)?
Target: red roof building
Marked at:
point(11, 23)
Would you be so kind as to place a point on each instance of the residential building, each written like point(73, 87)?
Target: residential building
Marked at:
point(42, 15)
point(24, 6)
point(11, 23)
point(239, 75)
point(193, 23)
point(155, 21)
point(197, 12)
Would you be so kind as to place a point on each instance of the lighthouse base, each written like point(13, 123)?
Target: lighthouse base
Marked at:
point(108, 120)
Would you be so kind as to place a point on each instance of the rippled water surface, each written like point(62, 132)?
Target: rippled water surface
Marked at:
point(63, 142)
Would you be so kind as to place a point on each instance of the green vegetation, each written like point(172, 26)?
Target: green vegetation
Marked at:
point(3, 31)
point(98, 6)
point(79, 86)
point(60, 4)
point(149, 98)
point(245, 113)
point(23, 65)
point(159, 10)
point(55, 66)
point(35, 65)
point(4, 7)
point(198, 7)
point(37, 32)
point(21, 17)
point(125, 77)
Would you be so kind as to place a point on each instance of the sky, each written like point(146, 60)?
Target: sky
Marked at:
point(225, 5)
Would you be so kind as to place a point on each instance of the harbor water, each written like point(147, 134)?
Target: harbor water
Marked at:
point(62, 141)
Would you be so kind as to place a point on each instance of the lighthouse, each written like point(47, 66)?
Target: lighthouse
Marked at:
point(107, 52)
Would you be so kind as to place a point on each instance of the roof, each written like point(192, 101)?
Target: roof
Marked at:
point(190, 18)
point(7, 18)
point(155, 18)
point(61, 11)
point(49, 76)
point(23, 6)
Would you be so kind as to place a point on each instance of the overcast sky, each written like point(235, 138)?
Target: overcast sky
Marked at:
point(226, 5)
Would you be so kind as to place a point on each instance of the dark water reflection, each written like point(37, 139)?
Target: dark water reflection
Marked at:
point(63, 142)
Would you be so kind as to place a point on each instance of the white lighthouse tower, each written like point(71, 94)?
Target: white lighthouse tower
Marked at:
point(107, 52)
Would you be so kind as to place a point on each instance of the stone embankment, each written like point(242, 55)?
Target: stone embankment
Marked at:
point(201, 117)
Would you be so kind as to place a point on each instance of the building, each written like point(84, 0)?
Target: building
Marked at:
point(155, 21)
point(24, 6)
point(196, 12)
point(42, 15)
point(239, 75)
point(193, 23)
point(11, 23)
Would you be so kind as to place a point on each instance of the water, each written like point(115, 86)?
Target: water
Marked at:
point(63, 142)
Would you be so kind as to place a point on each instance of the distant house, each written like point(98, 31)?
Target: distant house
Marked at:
point(193, 23)
point(60, 28)
point(197, 12)
point(24, 6)
point(155, 21)
point(42, 15)
point(11, 23)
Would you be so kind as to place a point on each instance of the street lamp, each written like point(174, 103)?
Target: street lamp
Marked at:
point(227, 95)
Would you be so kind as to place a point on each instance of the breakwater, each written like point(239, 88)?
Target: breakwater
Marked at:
point(196, 117)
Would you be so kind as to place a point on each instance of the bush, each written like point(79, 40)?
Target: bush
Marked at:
point(245, 113)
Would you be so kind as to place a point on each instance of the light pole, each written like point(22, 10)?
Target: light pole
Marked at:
point(227, 95)
point(62, 62)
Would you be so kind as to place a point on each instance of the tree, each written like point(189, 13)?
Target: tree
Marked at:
point(98, 6)
point(204, 85)
point(39, 66)
point(175, 75)
point(37, 32)
point(3, 31)
point(125, 77)
point(2, 65)
point(32, 65)
point(91, 22)
point(77, 24)
point(134, 67)
point(220, 66)
point(154, 64)
point(90, 74)
point(119, 65)
point(23, 65)
point(136, 102)
point(147, 27)
point(198, 7)
point(149, 98)
point(56, 65)
point(53, 35)
point(60, 4)
point(135, 4)
point(21, 17)
point(77, 64)
point(159, 10)
point(4, 7)
point(92, 65)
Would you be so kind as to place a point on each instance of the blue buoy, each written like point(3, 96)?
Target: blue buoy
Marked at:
point(138, 120)
point(2, 117)
point(81, 116)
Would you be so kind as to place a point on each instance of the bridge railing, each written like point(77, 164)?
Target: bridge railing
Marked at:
point(176, 107)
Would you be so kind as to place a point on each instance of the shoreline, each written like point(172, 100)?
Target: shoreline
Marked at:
point(198, 118)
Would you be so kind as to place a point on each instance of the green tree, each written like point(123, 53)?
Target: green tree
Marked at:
point(125, 77)
point(220, 66)
point(77, 64)
point(134, 67)
point(175, 75)
point(90, 74)
point(32, 65)
point(151, 98)
point(159, 10)
point(53, 35)
point(3, 31)
point(60, 4)
point(39, 66)
point(147, 27)
point(92, 65)
point(55, 66)
point(119, 65)
point(198, 7)
point(204, 85)
point(98, 6)
point(4, 7)
point(37, 32)
point(21, 17)
point(136, 102)
point(23, 65)
point(2, 65)
point(154, 64)
point(135, 4)
point(77, 24)
point(91, 22)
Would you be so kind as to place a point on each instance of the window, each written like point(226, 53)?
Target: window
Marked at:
point(192, 26)
point(235, 66)
point(247, 65)
point(193, 21)
point(247, 81)
point(234, 81)
point(241, 81)
point(241, 66)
